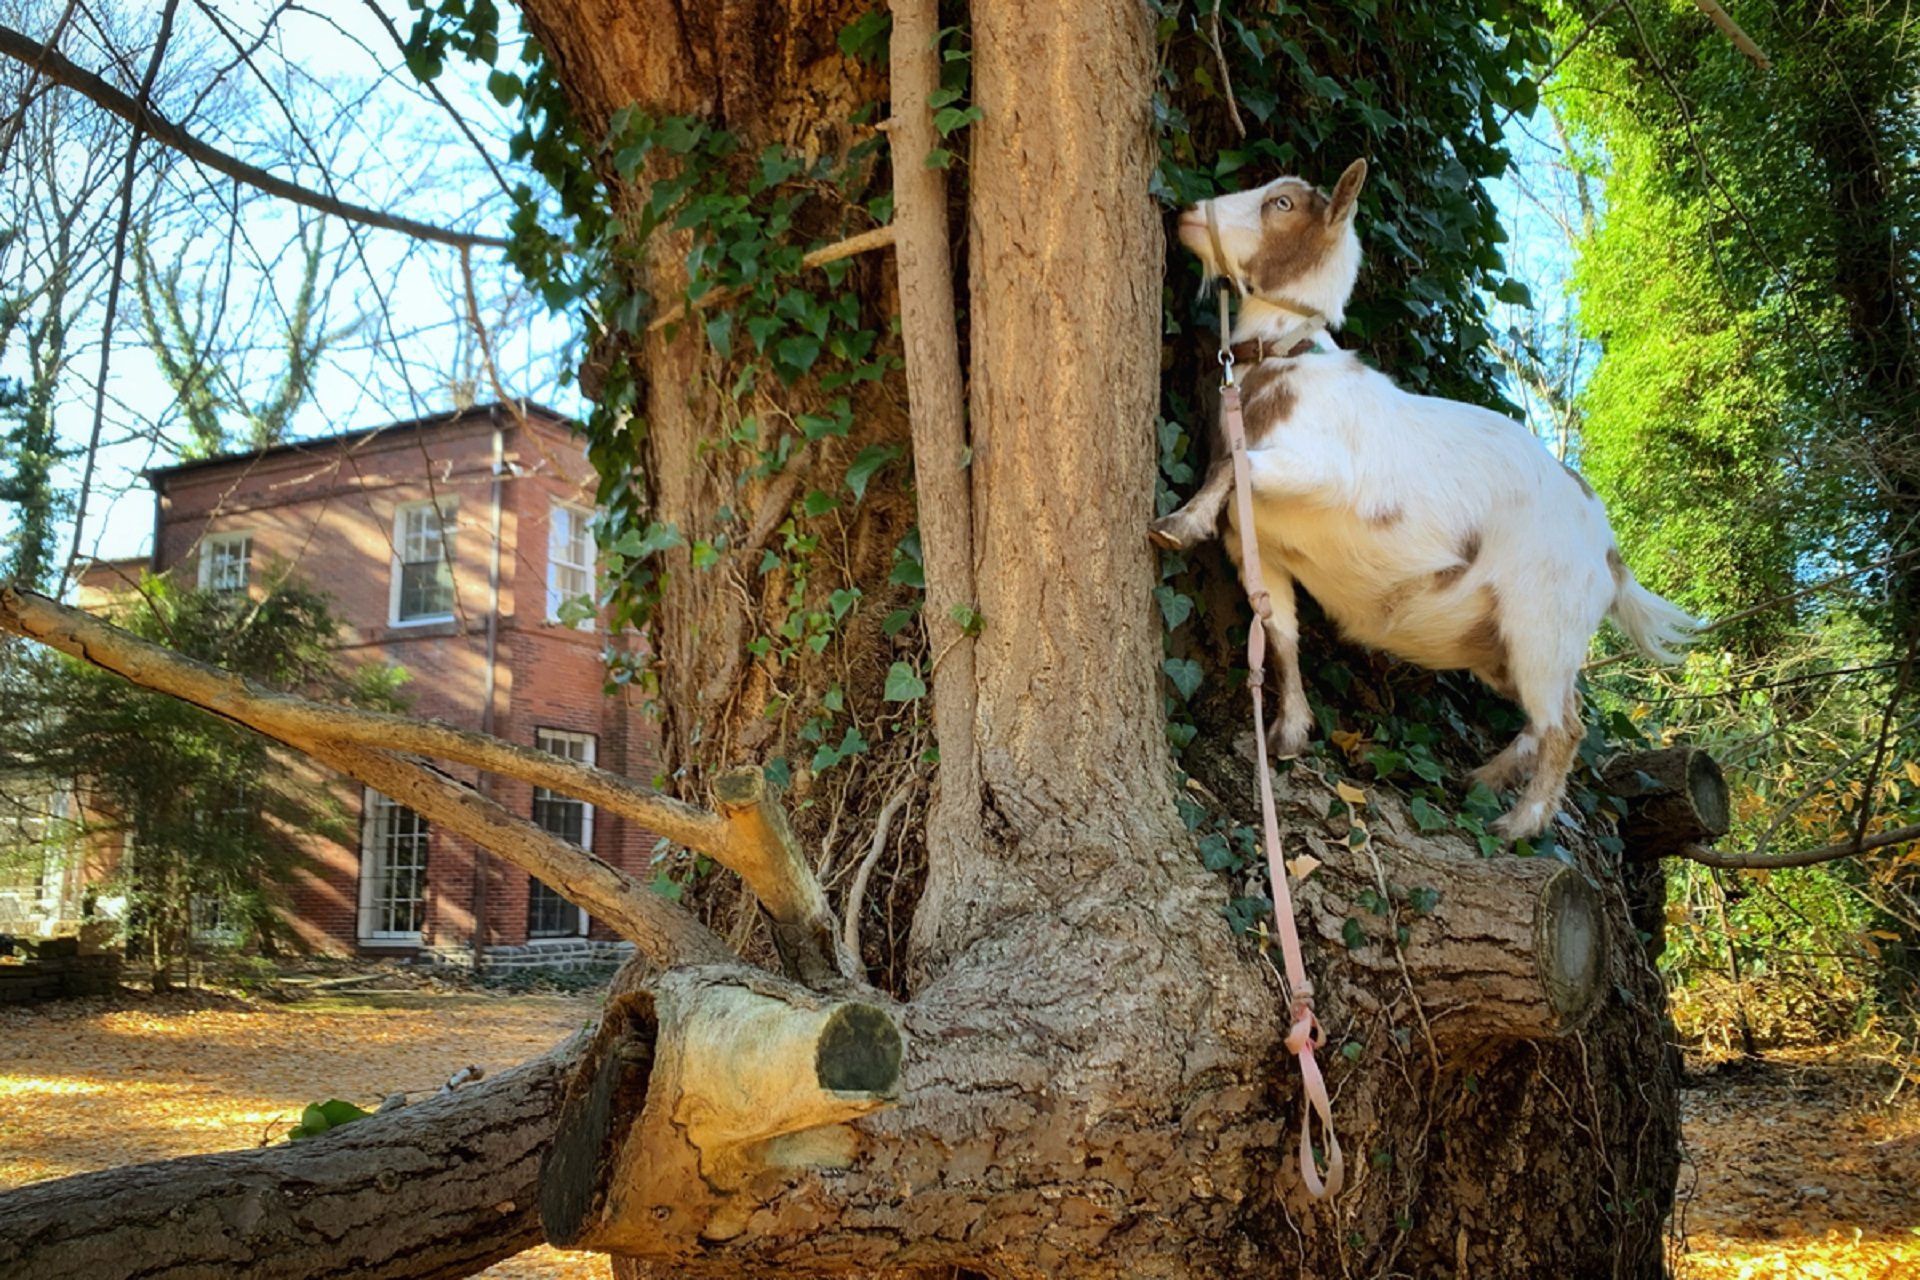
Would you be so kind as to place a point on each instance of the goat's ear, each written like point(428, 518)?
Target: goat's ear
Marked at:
point(1345, 192)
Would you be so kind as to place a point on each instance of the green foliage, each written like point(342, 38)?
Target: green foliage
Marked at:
point(1750, 276)
point(1734, 420)
point(199, 801)
point(319, 1117)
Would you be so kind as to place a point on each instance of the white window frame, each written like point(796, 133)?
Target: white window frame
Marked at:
point(212, 547)
point(588, 747)
point(555, 594)
point(370, 854)
point(449, 509)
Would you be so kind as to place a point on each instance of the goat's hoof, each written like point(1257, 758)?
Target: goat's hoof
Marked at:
point(1522, 822)
point(1167, 533)
point(1285, 742)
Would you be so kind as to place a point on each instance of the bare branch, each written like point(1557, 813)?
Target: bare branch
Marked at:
point(1803, 857)
point(865, 242)
point(1741, 40)
point(760, 847)
point(57, 68)
point(359, 743)
point(662, 930)
point(857, 891)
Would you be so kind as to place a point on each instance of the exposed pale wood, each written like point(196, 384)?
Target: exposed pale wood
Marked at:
point(761, 848)
point(930, 341)
point(1675, 796)
point(60, 70)
point(700, 1097)
point(431, 1191)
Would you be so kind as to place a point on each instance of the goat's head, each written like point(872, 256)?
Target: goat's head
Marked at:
point(1288, 242)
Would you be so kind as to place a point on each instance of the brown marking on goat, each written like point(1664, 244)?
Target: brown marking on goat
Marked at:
point(1469, 552)
point(1483, 650)
point(1617, 567)
point(1266, 399)
point(1579, 480)
point(1386, 517)
point(1292, 241)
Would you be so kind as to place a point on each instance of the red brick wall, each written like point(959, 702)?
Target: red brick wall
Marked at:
point(326, 510)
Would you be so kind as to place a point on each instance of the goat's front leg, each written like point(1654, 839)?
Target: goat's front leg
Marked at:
point(1288, 736)
point(1199, 516)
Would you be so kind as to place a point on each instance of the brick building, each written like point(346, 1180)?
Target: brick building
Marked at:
point(448, 544)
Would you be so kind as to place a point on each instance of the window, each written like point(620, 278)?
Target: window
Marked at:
point(548, 914)
point(223, 561)
point(393, 872)
point(569, 560)
point(423, 563)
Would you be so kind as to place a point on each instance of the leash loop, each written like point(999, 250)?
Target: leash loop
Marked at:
point(1304, 1033)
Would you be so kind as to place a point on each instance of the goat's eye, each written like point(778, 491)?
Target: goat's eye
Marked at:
point(1282, 203)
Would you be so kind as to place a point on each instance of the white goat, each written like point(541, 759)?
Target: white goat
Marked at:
point(1437, 531)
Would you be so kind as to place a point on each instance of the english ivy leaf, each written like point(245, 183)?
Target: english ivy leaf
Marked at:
point(817, 503)
point(897, 621)
point(1425, 815)
point(1186, 675)
point(1353, 935)
point(779, 772)
point(968, 617)
point(1175, 607)
point(904, 683)
point(1512, 291)
point(720, 334)
point(940, 158)
point(869, 460)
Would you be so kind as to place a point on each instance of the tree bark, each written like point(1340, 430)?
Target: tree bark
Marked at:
point(438, 1189)
point(1675, 797)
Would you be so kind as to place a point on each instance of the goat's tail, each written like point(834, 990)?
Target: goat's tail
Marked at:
point(1658, 628)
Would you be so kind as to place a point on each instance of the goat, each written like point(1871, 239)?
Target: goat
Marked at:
point(1437, 531)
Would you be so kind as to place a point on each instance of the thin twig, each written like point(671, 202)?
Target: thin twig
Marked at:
point(113, 278)
point(61, 71)
point(878, 238)
point(1226, 77)
point(857, 891)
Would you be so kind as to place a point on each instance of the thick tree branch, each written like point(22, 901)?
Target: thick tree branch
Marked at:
point(57, 68)
point(661, 929)
point(760, 847)
point(1802, 857)
point(432, 1191)
point(747, 838)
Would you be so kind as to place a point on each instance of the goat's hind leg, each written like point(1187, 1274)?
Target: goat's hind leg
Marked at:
point(1199, 516)
point(1557, 734)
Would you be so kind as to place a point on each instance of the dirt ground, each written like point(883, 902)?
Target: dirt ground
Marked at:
point(1799, 1166)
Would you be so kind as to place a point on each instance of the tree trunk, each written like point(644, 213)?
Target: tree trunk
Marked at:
point(441, 1188)
point(1081, 1071)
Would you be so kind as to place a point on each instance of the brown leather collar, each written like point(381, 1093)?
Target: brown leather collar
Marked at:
point(1254, 350)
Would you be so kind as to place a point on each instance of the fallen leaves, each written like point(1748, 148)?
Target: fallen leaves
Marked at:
point(1797, 1168)
point(89, 1084)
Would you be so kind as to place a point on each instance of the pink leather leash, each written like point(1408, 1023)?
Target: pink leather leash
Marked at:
point(1305, 1033)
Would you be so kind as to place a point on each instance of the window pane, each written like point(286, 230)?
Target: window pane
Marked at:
point(397, 868)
